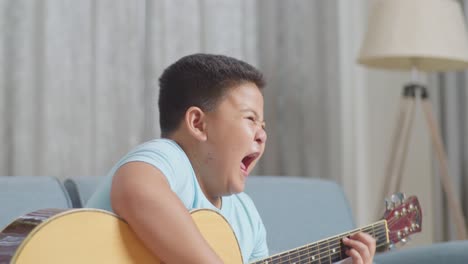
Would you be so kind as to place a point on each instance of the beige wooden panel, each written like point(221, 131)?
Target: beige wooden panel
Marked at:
point(66, 97)
point(119, 82)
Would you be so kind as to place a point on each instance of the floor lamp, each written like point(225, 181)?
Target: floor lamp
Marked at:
point(417, 35)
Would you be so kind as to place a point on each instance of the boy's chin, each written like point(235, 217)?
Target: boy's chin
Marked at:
point(237, 188)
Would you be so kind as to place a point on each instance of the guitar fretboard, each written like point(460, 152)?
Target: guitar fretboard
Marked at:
point(329, 250)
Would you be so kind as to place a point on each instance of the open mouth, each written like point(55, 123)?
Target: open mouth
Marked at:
point(247, 161)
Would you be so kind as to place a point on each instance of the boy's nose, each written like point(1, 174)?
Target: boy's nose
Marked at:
point(261, 136)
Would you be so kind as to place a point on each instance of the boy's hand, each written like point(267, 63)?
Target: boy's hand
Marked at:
point(362, 248)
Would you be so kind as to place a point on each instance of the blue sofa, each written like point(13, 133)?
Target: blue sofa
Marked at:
point(22, 195)
point(295, 211)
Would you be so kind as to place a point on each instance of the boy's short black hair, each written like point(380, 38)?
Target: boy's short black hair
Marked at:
point(199, 80)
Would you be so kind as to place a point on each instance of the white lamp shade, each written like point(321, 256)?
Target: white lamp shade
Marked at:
point(427, 34)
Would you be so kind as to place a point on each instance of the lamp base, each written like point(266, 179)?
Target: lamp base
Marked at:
point(400, 144)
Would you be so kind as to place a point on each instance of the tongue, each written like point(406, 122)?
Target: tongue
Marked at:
point(243, 166)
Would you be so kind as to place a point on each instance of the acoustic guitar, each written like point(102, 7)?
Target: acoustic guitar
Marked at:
point(58, 236)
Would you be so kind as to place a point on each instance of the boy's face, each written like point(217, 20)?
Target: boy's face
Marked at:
point(235, 139)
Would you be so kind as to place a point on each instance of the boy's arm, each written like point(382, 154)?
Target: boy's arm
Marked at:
point(142, 196)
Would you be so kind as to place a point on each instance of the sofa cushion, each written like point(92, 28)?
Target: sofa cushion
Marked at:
point(297, 211)
point(80, 189)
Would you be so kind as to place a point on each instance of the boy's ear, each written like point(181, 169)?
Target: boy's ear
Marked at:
point(195, 122)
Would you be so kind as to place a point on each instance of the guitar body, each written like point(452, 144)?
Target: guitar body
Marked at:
point(56, 236)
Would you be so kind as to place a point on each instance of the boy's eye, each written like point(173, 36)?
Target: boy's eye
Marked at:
point(251, 118)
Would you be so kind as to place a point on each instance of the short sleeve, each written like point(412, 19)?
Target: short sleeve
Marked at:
point(158, 159)
point(171, 160)
point(261, 248)
point(165, 155)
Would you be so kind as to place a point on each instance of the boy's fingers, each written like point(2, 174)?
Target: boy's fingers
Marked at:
point(355, 256)
point(361, 248)
point(368, 240)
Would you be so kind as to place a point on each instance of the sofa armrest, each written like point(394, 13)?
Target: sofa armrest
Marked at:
point(453, 252)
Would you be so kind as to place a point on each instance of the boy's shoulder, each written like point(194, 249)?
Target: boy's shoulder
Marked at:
point(161, 147)
point(158, 143)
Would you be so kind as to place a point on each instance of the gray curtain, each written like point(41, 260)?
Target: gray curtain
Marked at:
point(450, 98)
point(78, 79)
point(298, 53)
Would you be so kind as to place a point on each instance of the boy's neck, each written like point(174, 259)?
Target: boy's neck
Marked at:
point(189, 147)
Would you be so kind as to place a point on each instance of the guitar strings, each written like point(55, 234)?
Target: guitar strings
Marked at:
point(317, 251)
point(375, 231)
point(333, 242)
point(300, 252)
point(308, 258)
point(316, 254)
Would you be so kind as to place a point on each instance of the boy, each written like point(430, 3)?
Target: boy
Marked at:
point(213, 134)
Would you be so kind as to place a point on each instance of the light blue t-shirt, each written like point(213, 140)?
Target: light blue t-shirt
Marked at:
point(171, 160)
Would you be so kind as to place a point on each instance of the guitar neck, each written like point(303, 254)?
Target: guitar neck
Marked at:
point(331, 249)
